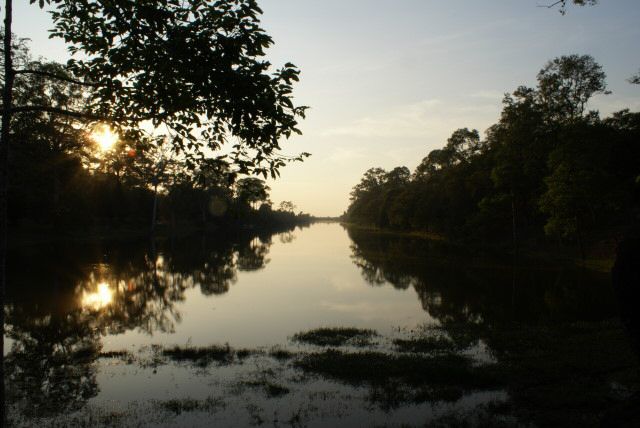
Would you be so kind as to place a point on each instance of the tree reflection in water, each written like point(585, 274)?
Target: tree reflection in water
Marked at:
point(58, 313)
point(460, 286)
point(50, 368)
point(550, 330)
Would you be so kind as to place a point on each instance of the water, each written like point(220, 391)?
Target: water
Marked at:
point(69, 306)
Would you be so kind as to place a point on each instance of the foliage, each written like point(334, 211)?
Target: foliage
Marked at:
point(566, 83)
point(61, 178)
point(194, 67)
point(547, 165)
point(252, 190)
point(287, 206)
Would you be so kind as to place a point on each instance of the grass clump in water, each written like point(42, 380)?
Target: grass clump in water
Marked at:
point(281, 354)
point(203, 356)
point(424, 344)
point(121, 355)
point(377, 368)
point(336, 336)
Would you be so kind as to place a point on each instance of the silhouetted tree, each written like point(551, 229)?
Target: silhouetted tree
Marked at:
point(252, 190)
point(287, 206)
point(566, 84)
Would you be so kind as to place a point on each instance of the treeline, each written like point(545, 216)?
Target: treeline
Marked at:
point(547, 167)
point(65, 175)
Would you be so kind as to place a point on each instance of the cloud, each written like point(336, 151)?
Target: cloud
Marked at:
point(342, 154)
point(488, 95)
point(430, 118)
point(607, 105)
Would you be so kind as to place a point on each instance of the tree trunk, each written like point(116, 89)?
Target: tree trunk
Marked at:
point(514, 227)
point(155, 209)
point(7, 102)
point(583, 253)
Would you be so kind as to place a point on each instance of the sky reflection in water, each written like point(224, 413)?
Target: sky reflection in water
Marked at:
point(259, 291)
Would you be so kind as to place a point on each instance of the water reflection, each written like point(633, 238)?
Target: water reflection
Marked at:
point(98, 299)
point(550, 328)
point(50, 368)
point(57, 315)
point(458, 286)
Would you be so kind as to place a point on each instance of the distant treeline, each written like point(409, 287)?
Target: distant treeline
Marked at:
point(52, 188)
point(63, 177)
point(548, 167)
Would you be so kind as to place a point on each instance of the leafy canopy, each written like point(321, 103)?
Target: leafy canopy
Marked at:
point(196, 67)
point(567, 83)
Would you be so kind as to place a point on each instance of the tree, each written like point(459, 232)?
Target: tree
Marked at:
point(372, 179)
point(193, 67)
point(463, 145)
point(398, 176)
point(519, 144)
point(49, 150)
point(581, 191)
point(287, 206)
point(566, 83)
point(252, 190)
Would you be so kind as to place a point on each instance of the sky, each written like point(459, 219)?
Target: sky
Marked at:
point(387, 81)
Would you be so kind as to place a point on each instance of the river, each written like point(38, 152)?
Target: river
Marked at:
point(89, 326)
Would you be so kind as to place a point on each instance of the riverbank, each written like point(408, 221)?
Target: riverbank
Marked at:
point(37, 235)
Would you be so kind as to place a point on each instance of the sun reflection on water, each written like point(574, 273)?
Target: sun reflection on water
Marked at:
point(102, 297)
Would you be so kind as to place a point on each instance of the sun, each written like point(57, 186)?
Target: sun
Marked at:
point(105, 137)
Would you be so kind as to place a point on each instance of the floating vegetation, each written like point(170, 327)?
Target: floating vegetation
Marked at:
point(244, 353)
point(202, 356)
point(281, 354)
point(424, 344)
point(336, 336)
point(178, 406)
point(270, 388)
point(535, 371)
point(125, 356)
point(378, 367)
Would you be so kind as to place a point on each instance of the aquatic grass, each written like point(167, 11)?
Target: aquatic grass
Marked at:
point(336, 336)
point(125, 356)
point(203, 356)
point(183, 405)
point(272, 389)
point(281, 354)
point(424, 344)
point(377, 368)
point(245, 353)
point(395, 394)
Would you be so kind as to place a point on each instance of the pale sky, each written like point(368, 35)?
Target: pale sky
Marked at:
point(388, 81)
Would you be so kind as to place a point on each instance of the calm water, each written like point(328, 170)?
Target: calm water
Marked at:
point(254, 292)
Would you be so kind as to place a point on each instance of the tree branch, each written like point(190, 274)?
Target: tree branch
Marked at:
point(55, 76)
point(553, 4)
point(76, 114)
point(61, 111)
